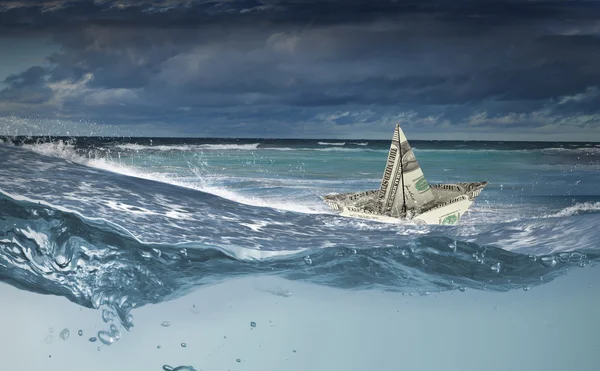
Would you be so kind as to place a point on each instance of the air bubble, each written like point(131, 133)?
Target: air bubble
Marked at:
point(253, 324)
point(548, 261)
point(178, 368)
point(80, 332)
point(183, 345)
point(166, 324)
point(496, 267)
point(308, 260)
point(64, 334)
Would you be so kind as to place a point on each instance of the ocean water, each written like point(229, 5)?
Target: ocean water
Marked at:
point(219, 255)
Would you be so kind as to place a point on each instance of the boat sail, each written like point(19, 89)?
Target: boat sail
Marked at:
point(405, 193)
point(403, 185)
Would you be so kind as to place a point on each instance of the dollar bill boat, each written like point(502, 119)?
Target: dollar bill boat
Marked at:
point(405, 194)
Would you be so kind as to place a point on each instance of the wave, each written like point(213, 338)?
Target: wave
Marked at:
point(201, 182)
point(576, 209)
point(332, 143)
point(247, 147)
point(140, 147)
point(96, 263)
point(592, 150)
point(339, 149)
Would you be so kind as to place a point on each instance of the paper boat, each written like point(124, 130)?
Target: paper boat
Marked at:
point(405, 194)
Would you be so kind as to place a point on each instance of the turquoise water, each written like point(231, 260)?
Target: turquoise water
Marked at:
point(211, 235)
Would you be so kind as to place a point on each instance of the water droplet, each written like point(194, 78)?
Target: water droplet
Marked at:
point(92, 339)
point(166, 324)
point(106, 337)
point(496, 267)
point(308, 260)
point(107, 315)
point(183, 345)
point(238, 360)
point(80, 332)
point(253, 324)
point(294, 350)
point(158, 347)
point(64, 334)
point(183, 253)
point(462, 288)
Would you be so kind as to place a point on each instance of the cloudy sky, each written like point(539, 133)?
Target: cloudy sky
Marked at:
point(443, 69)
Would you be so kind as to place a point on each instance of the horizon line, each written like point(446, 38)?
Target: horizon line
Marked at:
point(280, 138)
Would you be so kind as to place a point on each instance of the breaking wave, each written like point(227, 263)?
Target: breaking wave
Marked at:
point(578, 208)
point(67, 151)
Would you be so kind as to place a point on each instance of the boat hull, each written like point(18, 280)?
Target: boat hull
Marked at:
point(452, 202)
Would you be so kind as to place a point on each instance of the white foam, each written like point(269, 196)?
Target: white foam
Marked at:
point(230, 146)
point(255, 226)
point(200, 183)
point(332, 143)
point(141, 147)
point(576, 209)
point(129, 208)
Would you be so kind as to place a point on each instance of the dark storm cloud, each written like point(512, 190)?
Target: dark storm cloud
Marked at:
point(255, 65)
point(27, 87)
